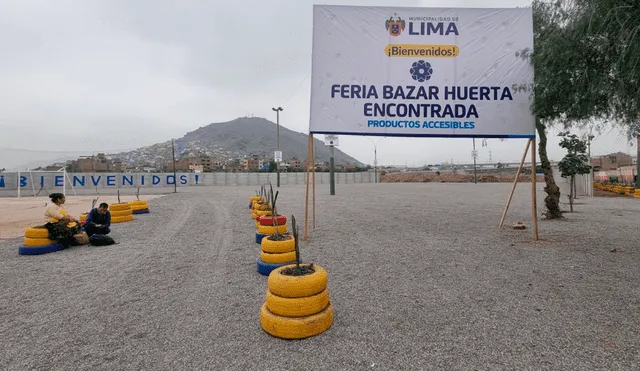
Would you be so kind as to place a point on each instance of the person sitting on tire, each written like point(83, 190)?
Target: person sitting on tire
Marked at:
point(61, 226)
point(98, 221)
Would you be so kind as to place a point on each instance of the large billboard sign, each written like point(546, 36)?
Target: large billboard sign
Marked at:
point(442, 72)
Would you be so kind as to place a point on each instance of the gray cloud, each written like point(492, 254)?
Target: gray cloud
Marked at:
point(105, 75)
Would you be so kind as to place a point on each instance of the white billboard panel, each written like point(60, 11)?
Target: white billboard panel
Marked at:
point(444, 72)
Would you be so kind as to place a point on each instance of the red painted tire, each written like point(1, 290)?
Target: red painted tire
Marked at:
point(269, 220)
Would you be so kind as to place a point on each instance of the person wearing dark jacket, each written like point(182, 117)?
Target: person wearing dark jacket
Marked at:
point(98, 221)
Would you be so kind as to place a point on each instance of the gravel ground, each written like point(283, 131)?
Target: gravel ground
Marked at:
point(419, 274)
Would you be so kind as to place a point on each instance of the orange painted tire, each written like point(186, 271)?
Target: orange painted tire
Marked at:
point(278, 247)
point(279, 258)
point(296, 327)
point(297, 307)
point(36, 232)
point(297, 286)
point(265, 229)
point(119, 207)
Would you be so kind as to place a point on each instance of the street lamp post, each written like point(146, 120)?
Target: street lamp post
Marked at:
point(591, 174)
point(375, 158)
point(277, 110)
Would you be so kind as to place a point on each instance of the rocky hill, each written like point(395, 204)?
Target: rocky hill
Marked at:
point(241, 137)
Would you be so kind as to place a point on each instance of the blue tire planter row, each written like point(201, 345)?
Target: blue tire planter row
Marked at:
point(39, 250)
point(266, 268)
point(259, 237)
point(145, 211)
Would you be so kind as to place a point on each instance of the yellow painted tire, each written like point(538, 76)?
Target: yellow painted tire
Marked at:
point(119, 213)
point(298, 327)
point(297, 307)
point(34, 232)
point(254, 216)
point(263, 212)
point(286, 257)
point(278, 247)
point(297, 286)
point(35, 242)
point(72, 224)
point(255, 198)
point(122, 219)
point(83, 217)
point(138, 203)
point(257, 224)
point(268, 229)
point(139, 207)
point(119, 207)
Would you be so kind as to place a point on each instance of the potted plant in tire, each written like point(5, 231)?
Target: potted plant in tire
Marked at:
point(297, 303)
point(278, 247)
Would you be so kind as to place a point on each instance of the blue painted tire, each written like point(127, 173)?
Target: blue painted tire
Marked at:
point(145, 211)
point(39, 250)
point(259, 237)
point(266, 268)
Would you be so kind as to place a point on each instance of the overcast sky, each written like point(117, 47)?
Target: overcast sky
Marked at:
point(91, 75)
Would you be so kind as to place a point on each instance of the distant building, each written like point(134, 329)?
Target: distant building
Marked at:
point(611, 161)
point(99, 163)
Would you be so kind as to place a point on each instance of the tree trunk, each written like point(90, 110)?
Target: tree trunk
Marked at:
point(571, 192)
point(552, 201)
point(575, 188)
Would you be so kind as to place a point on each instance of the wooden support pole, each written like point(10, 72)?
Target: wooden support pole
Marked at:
point(313, 163)
point(515, 182)
point(534, 206)
point(306, 203)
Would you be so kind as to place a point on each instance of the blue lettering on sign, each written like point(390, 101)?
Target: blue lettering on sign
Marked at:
point(128, 179)
point(155, 180)
point(23, 181)
point(197, 176)
point(41, 181)
point(79, 180)
point(2, 181)
point(142, 180)
point(95, 181)
point(171, 179)
point(111, 180)
point(183, 179)
point(59, 181)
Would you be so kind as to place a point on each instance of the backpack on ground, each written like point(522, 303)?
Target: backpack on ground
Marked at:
point(101, 240)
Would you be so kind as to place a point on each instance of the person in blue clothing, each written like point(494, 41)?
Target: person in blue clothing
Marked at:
point(98, 221)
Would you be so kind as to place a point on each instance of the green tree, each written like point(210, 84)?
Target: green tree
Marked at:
point(272, 166)
point(586, 57)
point(575, 162)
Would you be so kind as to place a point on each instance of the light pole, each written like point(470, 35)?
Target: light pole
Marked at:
point(475, 156)
point(375, 157)
point(277, 110)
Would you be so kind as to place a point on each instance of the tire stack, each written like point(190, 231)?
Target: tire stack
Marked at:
point(83, 218)
point(274, 253)
point(254, 203)
point(37, 242)
point(139, 207)
point(297, 307)
point(121, 212)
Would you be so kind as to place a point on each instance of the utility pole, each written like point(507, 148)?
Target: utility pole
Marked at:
point(589, 139)
point(475, 156)
point(175, 180)
point(638, 161)
point(332, 179)
point(375, 158)
point(277, 110)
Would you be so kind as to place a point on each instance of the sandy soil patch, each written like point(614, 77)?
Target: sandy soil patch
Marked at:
point(19, 213)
